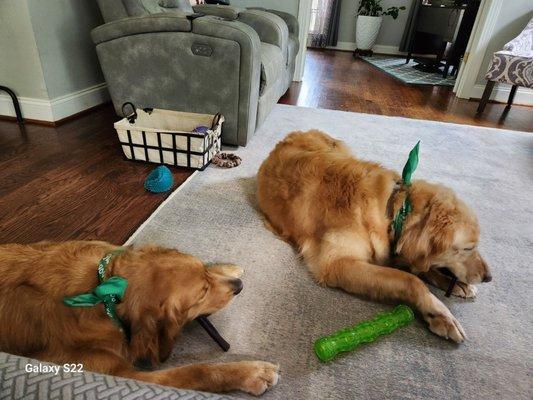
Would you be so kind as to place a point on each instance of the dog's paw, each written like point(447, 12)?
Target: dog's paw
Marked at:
point(443, 323)
point(259, 376)
point(464, 290)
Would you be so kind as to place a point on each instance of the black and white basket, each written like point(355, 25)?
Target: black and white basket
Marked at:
point(168, 137)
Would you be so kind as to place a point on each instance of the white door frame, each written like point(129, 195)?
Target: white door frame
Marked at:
point(304, 17)
point(486, 19)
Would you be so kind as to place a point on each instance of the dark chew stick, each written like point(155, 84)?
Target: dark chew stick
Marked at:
point(452, 285)
point(211, 330)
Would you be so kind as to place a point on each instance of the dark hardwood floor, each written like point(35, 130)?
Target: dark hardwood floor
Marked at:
point(71, 182)
point(334, 80)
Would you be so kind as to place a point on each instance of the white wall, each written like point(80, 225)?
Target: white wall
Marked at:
point(62, 31)
point(47, 57)
point(20, 66)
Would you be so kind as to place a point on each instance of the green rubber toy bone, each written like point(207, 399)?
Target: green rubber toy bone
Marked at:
point(328, 347)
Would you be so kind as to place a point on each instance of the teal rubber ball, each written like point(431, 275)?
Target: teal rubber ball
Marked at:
point(159, 180)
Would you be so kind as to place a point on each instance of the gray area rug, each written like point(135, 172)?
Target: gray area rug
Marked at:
point(281, 311)
point(397, 67)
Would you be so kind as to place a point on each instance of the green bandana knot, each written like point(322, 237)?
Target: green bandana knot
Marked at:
point(109, 292)
point(407, 207)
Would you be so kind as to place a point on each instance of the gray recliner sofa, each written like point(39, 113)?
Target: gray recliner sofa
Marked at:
point(163, 54)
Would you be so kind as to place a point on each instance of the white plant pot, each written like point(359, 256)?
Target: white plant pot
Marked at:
point(366, 31)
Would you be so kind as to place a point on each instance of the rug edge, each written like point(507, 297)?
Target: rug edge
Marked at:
point(432, 121)
point(134, 235)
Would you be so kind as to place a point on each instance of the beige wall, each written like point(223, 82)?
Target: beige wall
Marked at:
point(513, 17)
point(20, 66)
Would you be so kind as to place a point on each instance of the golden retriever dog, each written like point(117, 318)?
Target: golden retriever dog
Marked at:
point(338, 211)
point(166, 289)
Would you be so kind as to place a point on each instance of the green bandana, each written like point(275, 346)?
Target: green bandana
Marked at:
point(406, 208)
point(109, 292)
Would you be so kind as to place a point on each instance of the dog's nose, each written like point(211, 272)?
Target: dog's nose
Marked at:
point(487, 278)
point(237, 286)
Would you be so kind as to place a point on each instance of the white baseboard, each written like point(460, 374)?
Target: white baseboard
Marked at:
point(38, 109)
point(81, 100)
point(58, 108)
point(378, 48)
point(500, 93)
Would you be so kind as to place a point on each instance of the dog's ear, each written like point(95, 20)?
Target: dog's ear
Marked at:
point(144, 339)
point(154, 332)
point(429, 233)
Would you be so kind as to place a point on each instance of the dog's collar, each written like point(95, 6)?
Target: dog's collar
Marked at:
point(109, 292)
point(406, 207)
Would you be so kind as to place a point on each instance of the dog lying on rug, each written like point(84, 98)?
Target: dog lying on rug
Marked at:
point(50, 295)
point(338, 211)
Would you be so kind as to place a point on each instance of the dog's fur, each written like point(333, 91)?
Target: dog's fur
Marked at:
point(335, 209)
point(166, 289)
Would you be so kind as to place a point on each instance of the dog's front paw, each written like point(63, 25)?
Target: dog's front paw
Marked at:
point(443, 323)
point(464, 290)
point(258, 377)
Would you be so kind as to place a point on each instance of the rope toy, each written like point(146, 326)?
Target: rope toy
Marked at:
point(226, 160)
point(159, 180)
point(222, 160)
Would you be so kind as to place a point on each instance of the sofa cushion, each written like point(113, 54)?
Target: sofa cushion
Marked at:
point(227, 12)
point(138, 8)
point(181, 5)
point(272, 65)
point(164, 22)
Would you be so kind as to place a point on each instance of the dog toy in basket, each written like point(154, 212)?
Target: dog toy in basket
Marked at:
point(167, 136)
point(159, 180)
point(328, 347)
point(223, 160)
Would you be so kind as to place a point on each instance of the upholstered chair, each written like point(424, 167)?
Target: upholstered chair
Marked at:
point(512, 65)
point(204, 59)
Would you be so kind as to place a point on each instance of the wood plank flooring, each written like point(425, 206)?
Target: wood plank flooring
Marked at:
point(334, 80)
point(71, 182)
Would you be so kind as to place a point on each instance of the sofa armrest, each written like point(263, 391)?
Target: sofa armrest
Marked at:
point(249, 68)
point(227, 12)
point(290, 20)
point(270, 28)
point(163, 22)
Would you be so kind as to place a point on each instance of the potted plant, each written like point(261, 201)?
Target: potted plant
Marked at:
point(369, 17)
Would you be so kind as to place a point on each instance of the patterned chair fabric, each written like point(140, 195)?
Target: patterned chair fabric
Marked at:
point(514, 64)
point(17, 383)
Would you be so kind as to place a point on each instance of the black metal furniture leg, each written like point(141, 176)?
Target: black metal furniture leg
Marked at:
point(511, 95)
point(486, 96)
point(15, 103)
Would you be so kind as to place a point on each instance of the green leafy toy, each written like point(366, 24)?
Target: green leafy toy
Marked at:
point(328, 347)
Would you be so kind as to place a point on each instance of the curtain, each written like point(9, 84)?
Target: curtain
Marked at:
point(324, 24)
point(410, 26)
